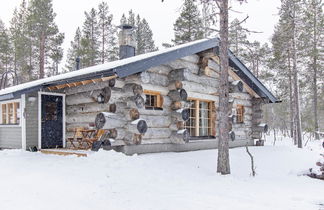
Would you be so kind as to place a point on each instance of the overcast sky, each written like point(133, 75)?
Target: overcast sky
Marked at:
point(160, 16)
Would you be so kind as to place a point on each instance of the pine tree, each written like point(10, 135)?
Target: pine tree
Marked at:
point(74, 51)
point(237, 36)
point(55, 53)
point(22, 45)
point(188, 26)
point(287, 50)
point(43, 28)
point(208, 19)
point(90, 39)
point(142, 31)
point(107, 32)
point(313, 45)
point(5, 57)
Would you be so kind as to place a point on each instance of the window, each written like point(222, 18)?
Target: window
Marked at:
point(202, 118)
point(154, 100)
point(240, 114)
point(10, 113)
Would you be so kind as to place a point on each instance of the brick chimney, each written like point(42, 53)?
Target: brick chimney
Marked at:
point(126, 41)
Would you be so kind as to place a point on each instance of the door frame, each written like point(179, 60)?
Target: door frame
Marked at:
point(40, 116)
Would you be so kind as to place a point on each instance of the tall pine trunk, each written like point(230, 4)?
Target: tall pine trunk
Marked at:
point(315, 75)
point(223, 165)
point(103, 45)
point(291, 103)
point(42, 56)
point(296, 85)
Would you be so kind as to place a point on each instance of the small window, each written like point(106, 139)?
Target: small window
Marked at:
point(201, 119)
point(154, 100)
point(10, 113)
point(240, 114)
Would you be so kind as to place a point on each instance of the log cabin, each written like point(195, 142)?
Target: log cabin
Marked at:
point(156, 102)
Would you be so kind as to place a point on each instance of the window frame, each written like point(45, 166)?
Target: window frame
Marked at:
point(197, 125)
point(239, 113)
point(158, 102)
point(14, 113)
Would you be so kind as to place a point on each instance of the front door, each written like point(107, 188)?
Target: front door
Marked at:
point(52, 121)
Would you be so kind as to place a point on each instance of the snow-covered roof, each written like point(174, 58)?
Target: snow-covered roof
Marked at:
point(132, 65)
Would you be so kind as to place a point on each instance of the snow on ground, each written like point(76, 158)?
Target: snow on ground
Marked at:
point(109, 180)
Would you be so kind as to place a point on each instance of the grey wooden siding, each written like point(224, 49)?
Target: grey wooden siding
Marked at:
point(10, 137)
point(31, 120)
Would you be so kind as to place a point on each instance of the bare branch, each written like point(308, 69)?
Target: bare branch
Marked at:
point(213, 29)
point(252, 160)
point(249, 31)
point(242, 21)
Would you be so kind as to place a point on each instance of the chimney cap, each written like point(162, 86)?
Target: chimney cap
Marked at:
point(126, 26)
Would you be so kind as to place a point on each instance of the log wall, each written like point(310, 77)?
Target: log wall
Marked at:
point(193, 76)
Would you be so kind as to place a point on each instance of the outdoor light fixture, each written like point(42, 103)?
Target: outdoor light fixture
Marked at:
point(100, 99)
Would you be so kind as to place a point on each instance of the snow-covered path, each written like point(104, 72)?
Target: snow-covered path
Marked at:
point(109, 180)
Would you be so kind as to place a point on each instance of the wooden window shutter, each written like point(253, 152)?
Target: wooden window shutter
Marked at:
point(240, 113)
point(159, 101)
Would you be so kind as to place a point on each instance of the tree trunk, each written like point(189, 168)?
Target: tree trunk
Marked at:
point(296, 85)
point(315, 77)
point(223, 165)
point(291, 117)
point(41, 56)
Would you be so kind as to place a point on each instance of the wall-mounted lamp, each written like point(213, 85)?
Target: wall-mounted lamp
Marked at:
point(100, 99)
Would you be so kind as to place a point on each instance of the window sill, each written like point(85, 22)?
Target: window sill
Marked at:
point(9, 126)
point(154, 108)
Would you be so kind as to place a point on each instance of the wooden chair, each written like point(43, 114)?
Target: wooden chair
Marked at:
point(77, 138)
point(100, 134)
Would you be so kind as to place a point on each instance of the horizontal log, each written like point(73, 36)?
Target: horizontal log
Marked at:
point(156, 141)
point(70, 127)
point(158, 133)
point(209, 72)
point(179, 64)
point(241, 102)
point(191, 58)
point(188, 75)
point(162, 69)
point(131, 89)
point(243, 96)
point(87, 108)
point(106, 120)
point(180, 137)
point(165, 111)
point(85, 118)
point(213, 65)
point(260, 128)
point(82, 98)
point(178, 95)
point(138, 126)
point(157, 121)
point(199, 88)
point(154, 79)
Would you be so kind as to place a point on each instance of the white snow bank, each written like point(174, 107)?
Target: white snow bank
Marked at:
point(188, 180)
